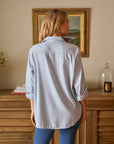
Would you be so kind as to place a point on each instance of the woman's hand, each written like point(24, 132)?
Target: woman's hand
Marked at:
point(83, 110)
point(32, 113)
point(33, 119)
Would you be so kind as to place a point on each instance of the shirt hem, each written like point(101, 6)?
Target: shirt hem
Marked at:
point(68, 125)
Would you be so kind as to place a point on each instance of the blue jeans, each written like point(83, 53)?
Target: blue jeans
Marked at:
point(67, 136)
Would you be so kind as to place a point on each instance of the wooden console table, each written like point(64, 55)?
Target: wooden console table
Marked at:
point(16, 127)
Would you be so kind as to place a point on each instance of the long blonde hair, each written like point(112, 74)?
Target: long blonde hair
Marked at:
point(52, 20)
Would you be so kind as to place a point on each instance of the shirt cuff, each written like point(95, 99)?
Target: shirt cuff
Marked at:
point(83, 96)
point(29, 95)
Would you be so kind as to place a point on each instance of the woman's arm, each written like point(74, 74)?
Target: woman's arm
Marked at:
point(32, 112)
point(82, 102)
point(32, 104)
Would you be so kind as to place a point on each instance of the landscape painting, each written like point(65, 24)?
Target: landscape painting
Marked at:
point(74, 30)
point(78, 33)
point(40, 19)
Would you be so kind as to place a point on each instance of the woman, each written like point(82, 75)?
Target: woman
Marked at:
point(55, 82)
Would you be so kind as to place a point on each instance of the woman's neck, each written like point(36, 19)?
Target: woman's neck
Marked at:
point(57, 34)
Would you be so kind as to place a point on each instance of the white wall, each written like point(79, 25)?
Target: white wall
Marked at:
point(16, 36)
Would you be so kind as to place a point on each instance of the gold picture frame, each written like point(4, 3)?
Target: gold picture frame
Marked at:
point(78, 31)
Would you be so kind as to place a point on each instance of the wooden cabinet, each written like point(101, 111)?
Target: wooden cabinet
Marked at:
point(16, 127)
point(100, 118)
point(15, 124)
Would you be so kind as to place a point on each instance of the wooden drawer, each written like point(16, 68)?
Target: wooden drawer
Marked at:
point(15, 123)
point(106, 127)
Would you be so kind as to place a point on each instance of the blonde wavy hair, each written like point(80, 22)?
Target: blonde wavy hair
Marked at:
point(51, 22)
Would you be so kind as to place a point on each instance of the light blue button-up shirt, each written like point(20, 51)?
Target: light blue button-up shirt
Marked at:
point(55, 81)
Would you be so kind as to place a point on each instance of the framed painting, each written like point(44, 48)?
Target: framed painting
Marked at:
point(78, 33)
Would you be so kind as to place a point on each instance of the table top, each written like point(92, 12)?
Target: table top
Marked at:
point(93, 94)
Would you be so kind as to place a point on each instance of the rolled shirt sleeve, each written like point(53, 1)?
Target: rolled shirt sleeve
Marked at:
point(79, 85)
point(30, 77)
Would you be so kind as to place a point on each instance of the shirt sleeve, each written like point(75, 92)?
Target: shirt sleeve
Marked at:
point(79, 86)
point(30, 77)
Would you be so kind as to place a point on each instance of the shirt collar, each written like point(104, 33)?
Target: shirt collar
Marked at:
point(56, 38)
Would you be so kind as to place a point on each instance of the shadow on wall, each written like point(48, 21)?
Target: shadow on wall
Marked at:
point(6, 75)
point(12, 74)
point(92, 85)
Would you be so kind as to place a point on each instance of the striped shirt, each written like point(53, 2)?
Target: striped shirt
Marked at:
point(55, 81)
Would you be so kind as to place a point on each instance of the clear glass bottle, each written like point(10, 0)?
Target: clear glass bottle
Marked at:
point(106, 78)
